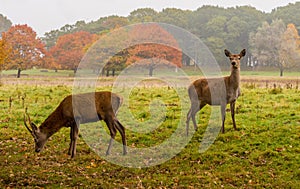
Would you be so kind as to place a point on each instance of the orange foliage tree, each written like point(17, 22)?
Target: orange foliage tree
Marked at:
point(4, 52)
point(144, 45)
point(154, 47)
point(70, 49)
point(289, 53)
point(153, 55)
point(26, 50)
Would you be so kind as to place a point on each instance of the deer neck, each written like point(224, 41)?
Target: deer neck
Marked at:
point(235, 78)
point(52, 124)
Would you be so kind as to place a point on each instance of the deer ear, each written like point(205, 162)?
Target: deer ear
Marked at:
point(227, 53)
point(243, 53)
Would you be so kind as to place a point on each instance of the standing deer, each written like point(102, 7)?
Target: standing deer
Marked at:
point(216, 91)
point(77, 109)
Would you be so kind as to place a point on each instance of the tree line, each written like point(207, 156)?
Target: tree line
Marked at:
point(271, 39)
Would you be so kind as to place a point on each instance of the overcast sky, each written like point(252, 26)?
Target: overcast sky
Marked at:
point(47, 15)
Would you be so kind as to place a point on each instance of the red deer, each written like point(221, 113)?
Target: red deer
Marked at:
point(216, 91)
point(77, 109)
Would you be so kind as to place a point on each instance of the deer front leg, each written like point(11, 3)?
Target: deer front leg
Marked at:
point(232, 109)
point(74, 136)
point(188, 121)
point(223, 112)
point(71, 139)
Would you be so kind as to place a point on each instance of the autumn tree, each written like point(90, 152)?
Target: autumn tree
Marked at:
point(26, 49)
point(4, 53)
point(151, 56)
point(70, 49)
point(275, 45)
point(289, 49)
point(154, 47)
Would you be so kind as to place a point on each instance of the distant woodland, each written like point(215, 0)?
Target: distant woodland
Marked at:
point(271, 39)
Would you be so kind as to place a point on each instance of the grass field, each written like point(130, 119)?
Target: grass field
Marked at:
point(188, 70)
point(262, 153)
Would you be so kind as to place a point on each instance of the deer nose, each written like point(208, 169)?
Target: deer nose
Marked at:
point(37, 150)
point(233, 63)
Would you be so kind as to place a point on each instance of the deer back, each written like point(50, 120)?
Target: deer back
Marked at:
point(91, 107)
point(209, 91)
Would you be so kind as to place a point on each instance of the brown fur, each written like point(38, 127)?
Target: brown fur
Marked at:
point(81, 108)
point(216, 91)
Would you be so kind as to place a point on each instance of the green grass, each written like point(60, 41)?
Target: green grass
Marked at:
point(191, 71)
point(39, 72)
point(262, 153)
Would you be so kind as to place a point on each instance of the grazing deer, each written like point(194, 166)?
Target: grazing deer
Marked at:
point(216, 91)
point(77, 109)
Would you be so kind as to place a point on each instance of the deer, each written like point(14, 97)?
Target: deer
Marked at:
point(79, 109)
point(216, 91)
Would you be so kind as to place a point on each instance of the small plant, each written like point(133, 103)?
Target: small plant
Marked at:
point(276, 90)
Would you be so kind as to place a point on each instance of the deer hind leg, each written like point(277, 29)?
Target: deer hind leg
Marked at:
point(232, 110)
point(113, 132)
point(121, 129)
point(192, 114)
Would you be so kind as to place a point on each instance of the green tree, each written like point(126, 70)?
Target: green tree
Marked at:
point(199, 19)
point(289, 14)
point(109, 53)
point(142, 15)
point(241, 22)
point(5, 24)
point(266, 42)
point(223, 28)
point(175, 17)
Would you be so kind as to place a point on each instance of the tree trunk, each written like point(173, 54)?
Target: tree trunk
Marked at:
point(19, 73)
point(151, 71)
point(281, 72)
point(113, 72)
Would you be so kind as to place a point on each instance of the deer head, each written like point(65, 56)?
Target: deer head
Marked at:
point(235, 58)
point(40, 138)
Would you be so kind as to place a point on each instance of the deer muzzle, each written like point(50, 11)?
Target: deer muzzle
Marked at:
point(38, 150)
